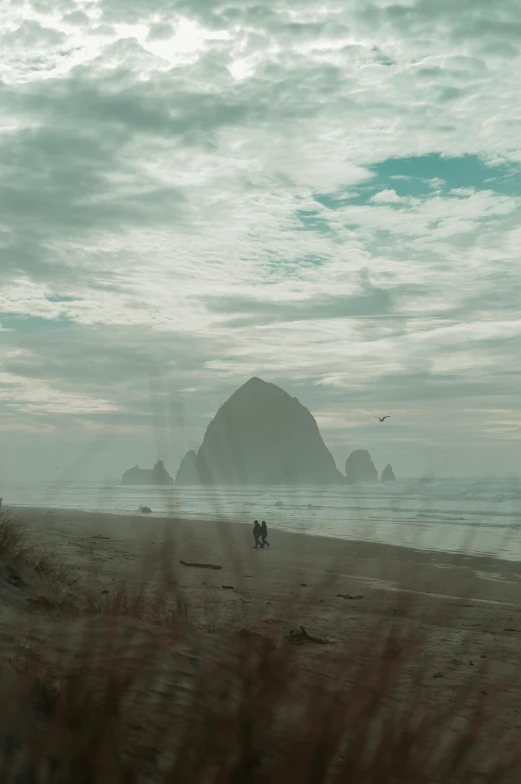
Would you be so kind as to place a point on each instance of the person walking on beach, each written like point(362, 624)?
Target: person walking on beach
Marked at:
point(256, 533)
point(264, 534)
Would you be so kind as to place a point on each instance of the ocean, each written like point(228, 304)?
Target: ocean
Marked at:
point(479, 515)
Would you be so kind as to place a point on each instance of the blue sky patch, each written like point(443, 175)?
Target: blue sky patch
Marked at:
point(311, 220)
point(382, 58)
point(58, 298)
point(420, 176)
point(20, 323)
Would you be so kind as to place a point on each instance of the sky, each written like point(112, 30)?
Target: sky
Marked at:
point(323, 194)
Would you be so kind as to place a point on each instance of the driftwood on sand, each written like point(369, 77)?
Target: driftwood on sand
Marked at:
point(199, 565)
point(300, 636)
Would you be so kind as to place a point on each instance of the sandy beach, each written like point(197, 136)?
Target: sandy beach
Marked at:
point(453, 596)
point(461, 614)
point(111, 545)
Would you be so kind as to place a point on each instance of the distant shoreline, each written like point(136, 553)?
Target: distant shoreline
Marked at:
point(107, 546)
point(304, 540)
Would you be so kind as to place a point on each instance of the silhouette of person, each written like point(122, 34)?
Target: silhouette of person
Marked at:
point(256, 533)
point(264, 534)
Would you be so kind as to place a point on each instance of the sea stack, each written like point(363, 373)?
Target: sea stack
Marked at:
point(157, 475)
point(187, 473)
point(262, 436)
point(388, 474)
point(360, 467)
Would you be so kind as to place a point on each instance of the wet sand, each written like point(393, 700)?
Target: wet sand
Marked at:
point(112, 545)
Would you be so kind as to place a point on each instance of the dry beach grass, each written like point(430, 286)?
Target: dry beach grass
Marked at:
point(163, 676)
point(15, 547)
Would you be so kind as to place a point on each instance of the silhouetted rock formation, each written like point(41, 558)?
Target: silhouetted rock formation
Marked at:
point(388, 474)
point(157, 475)
point(262, 436)
point(360, 467)
point(187, 473)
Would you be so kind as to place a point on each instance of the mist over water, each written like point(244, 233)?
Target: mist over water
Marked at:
point(482, 517)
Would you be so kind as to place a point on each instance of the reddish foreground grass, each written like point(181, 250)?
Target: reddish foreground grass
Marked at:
point(133, 693)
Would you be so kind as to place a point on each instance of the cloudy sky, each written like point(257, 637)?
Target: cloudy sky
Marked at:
point(323, 194)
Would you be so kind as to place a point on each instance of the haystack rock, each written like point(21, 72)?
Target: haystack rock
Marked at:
point(360, 467)
point(187, 473)
point(262, 436)
point(157, 475)
point(388, 474)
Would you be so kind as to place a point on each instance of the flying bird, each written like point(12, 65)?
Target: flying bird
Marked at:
point(382, 419)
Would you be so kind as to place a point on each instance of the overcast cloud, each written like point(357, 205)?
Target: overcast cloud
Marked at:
point(326, 196)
